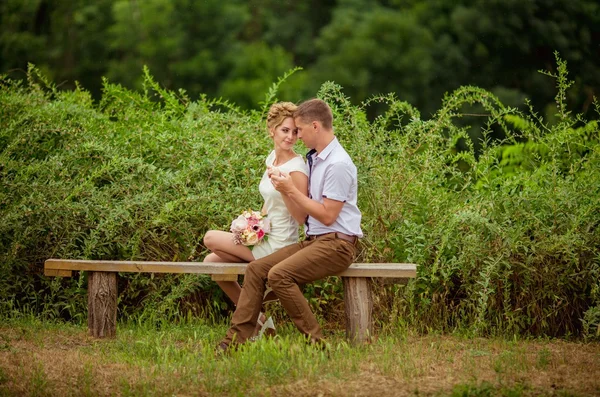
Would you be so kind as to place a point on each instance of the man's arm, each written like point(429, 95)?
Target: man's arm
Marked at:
point(300, 181)
point(326, 213)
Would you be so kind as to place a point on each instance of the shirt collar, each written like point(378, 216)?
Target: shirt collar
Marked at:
point(328, 149)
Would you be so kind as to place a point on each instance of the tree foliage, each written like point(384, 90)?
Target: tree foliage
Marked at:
point(416, 50)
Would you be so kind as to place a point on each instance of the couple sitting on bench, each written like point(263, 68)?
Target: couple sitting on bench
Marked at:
point(322, 195)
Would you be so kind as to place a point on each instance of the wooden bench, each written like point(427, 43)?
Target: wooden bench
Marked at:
point(102, 287)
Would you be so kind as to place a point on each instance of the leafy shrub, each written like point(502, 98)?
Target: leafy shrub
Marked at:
point(506, 237)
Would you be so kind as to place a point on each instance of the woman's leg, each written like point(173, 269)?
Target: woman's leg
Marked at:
point(231, 288)
point(221, 243)
point(224, 250)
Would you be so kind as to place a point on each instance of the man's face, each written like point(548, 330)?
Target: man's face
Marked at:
point(306, 133)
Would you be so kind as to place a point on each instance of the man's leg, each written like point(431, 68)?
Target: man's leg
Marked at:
point(317, 259)
point(251, 296)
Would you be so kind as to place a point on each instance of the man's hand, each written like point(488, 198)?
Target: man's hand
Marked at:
point(283, 183)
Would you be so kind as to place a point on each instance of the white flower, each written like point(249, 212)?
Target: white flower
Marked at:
point(239, 224)
point(251, 238)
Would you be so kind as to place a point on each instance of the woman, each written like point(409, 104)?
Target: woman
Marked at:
point(283, 214)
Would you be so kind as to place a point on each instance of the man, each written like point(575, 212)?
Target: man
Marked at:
point(332, 228)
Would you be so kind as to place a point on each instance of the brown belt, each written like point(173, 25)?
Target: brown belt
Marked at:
point(343, 236)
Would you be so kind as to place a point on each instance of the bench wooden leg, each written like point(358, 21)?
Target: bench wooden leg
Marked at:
point(102, 304)
point(359, 307)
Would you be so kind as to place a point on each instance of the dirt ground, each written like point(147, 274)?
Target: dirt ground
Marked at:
point(69, 362)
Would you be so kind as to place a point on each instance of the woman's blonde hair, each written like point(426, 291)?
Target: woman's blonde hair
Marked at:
point(279, 112)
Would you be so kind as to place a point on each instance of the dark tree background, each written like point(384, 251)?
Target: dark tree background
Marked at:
point(235, 49)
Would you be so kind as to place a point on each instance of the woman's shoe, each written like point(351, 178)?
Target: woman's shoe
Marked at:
point(259, 327)
point(267, 329)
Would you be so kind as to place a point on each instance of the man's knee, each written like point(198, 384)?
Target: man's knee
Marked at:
point(276, 277)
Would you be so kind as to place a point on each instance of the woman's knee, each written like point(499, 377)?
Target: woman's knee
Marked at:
point(210, 240)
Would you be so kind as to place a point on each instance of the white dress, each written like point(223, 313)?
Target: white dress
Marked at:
point(284, 228)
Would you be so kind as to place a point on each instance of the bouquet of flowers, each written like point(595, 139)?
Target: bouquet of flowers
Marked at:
point(250, 228)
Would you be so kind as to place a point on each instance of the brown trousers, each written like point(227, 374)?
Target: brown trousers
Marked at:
point(299, 263)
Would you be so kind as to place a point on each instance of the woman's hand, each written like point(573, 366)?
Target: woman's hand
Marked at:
point(273, 171)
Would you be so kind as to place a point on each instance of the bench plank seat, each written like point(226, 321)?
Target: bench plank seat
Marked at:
point(102, 287)
point(52, 267)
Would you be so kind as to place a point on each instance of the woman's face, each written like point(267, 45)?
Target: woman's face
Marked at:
point(285, 135)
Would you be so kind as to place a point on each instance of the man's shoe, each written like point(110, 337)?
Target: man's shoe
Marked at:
point(222, 349)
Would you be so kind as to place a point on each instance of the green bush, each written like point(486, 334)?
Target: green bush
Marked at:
point(506, 237)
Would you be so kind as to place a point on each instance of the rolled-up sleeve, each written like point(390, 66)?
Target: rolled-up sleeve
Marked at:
point(339, 178)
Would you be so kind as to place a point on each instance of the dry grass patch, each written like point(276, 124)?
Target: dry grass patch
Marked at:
point(443, 365)
point(63, 360)
point(68, 363)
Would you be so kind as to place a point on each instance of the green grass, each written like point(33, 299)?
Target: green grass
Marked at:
point(52, 358)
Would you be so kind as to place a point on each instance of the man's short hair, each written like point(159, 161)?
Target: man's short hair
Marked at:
point(315, 110)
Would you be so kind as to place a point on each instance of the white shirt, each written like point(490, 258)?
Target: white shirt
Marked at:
point(333, 175)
